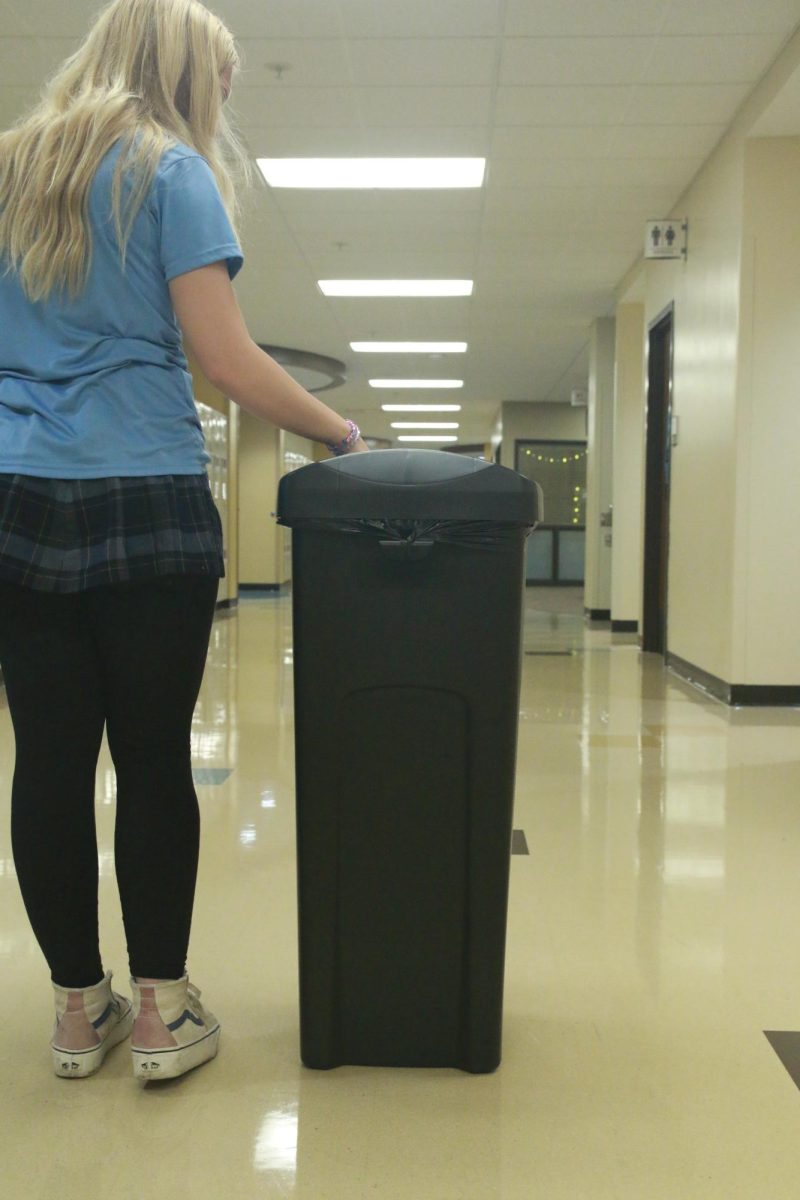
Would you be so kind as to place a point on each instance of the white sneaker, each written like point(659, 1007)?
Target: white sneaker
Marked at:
point(89, 1021)
point(172, 1032)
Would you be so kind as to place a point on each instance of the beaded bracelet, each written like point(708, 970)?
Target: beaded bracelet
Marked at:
point(343, 446)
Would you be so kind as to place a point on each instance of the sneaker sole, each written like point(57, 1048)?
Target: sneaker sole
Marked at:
point(154, 1065)
point(80, 1064)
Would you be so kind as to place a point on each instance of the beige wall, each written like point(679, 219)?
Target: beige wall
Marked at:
point(521, 420)
point(204, 393)
point(265, 454)
point(599, 466)
point(734, 586)
point(295, 452)
point(705, 293)
point(628, 482)
point(259, 446)
point(766, 587)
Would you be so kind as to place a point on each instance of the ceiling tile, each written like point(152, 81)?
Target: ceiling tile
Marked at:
point(389, 314)
point(678, 60)
point(535, 141)
point(425, 106)
point(419, 18)
point(354, 141)
point(24, 60)
point(687, 105)
point(732, 16)
point(49, 18)
point(307, 62)
point(400, 320)
point(590, 172)
point(408, 204)
point(501, 225)
point(383, 262)
point(295, 106)
point(573, 305)
point(564, 18)
point(429, 62)
point(577, 61)
point(561, 105)
point(15, 102)
point(664, 141)
point(595, 198)
point(344, 225)
point(335, 256)
point(280, 18)
point(557, 238)
point(462, 141)
point(624, 141)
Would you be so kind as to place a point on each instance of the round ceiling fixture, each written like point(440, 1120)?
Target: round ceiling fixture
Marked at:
point(314, 372)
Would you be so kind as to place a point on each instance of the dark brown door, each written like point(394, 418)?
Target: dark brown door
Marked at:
point(659, 446)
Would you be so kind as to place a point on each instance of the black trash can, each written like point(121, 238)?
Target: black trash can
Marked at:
point(408, 578)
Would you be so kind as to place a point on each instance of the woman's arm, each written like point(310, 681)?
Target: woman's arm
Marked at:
point(214, 330)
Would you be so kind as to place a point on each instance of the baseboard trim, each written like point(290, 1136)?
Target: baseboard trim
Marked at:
point(597, 614)
point(624, 626)
point(735, 695)
point(699, 678)
point(745, 695)
point(259, 587)
point(229, 603)
point(553, 583)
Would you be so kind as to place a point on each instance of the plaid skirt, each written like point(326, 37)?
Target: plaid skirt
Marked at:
point(67, 535)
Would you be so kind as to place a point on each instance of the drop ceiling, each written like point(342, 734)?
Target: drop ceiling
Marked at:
point(594, 116)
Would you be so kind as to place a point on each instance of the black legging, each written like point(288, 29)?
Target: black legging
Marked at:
point(129, 657)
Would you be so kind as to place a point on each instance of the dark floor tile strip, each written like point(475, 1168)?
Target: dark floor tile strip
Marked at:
point(548, 653)
point(519, 843)
point(786, 1045)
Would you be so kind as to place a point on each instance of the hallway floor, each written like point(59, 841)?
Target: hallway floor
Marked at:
point(652, 940)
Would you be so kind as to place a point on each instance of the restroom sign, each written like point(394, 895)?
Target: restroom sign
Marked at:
point(666, 239)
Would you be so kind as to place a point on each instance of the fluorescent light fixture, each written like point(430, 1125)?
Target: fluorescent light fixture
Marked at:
point(395, 287)
point(409, 347)
point(425, 425)
point(373, 172)
point(426, 408)
point(428, 438)
point(416, 383)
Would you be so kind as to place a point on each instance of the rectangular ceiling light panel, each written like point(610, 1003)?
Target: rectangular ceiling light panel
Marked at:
point(426, 408)
point(409, 347)
point(395, 287)
point(427, 438)
point(416, 383)
point(373, 172)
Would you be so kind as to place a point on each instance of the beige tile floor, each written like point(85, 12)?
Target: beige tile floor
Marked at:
point(652, 938)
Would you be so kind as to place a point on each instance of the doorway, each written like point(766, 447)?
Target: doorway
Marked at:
point(556, 556)
point(657, 487)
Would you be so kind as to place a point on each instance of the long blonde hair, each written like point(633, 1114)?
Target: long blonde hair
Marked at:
point(148, 73)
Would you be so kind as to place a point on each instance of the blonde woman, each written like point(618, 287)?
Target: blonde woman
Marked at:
point(117, 244)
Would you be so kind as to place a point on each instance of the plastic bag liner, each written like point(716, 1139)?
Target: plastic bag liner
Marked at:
point(478, 535)
point(412, 498)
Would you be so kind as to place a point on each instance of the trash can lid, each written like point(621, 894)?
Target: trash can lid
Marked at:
point(408, 485)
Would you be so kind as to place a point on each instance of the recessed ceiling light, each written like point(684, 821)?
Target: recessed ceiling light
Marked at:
point(409, 347)
point(413, 437)
point(425, 425)
point(427, 408)
point(373, 172)
point(416, 383)
point(395, 287)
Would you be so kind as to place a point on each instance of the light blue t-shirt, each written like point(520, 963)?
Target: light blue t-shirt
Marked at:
point(100, 386)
